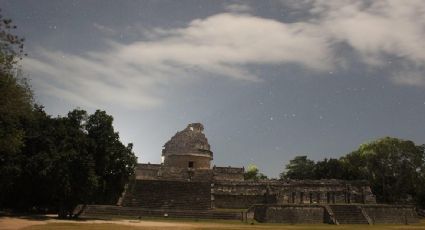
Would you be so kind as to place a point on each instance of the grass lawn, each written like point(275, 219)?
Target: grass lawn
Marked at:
point(181, 224)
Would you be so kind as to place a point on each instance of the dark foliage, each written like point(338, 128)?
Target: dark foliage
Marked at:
point(395, 169)
point(53, 163)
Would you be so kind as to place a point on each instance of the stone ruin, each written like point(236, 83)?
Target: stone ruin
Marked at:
point(188, 148)
point(185, 185)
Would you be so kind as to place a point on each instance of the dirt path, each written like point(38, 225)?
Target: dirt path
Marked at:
point(18, 223)
point(12, 223)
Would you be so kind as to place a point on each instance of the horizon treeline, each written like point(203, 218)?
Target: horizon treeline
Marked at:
point(395, 169)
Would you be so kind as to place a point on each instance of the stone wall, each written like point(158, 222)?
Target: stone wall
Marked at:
point(147, 171)
point(324, 192)
point(109, 211)
point(199, 161)
point(228, 173)
point(290, 214)
point(391, 214)
point(342, 214)
point(188, 148)
point(238, 194)
point(158, 194)
point(229, 190)
point(161, 172)
point(243, 194)
point(237, 201)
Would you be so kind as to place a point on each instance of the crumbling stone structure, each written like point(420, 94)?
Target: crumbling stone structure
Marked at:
point(185, 180)
point(186, 163)
point(188, 148)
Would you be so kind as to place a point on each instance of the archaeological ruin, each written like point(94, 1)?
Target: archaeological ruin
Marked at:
point(185, 185)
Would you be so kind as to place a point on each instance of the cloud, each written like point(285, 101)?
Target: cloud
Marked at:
point(238, 8)
point(227, 44)
point(409, 77)
point(376, 29)
point(104, 29)
point(221, 45)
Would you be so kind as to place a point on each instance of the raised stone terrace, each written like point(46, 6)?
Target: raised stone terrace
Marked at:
point(185, 185)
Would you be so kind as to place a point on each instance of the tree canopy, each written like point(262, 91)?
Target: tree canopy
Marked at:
point(253, 173)
point(394, 167)
point(299, 168)
point(53, 163)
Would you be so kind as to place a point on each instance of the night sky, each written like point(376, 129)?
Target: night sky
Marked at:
point(269, 80)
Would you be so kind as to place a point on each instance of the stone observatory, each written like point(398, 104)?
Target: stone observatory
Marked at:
point(185, 185)
point(188, 148)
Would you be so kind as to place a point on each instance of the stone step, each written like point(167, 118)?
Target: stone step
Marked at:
point(348, 214)
point(99, 211)
point(168, 194)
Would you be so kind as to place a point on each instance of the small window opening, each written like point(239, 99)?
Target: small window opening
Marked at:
point(190, 164)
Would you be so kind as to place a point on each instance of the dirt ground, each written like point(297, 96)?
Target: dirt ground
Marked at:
point(12, 223)
point(49, 222)
point(17, 223)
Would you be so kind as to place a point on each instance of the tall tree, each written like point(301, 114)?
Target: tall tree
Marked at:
point(299, 168)
point(114, 162)
point(394, 167)
point(53, 163)
point(15, 107)
point(329, 169)
point(57, 167)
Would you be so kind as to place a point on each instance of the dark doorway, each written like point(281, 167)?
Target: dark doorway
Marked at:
point(190, 164)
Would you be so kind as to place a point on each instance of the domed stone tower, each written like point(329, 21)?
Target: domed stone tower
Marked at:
point(188, 148)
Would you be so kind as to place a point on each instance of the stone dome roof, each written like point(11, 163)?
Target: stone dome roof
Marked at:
point(191, 140)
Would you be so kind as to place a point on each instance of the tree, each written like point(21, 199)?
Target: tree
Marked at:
point(57, 167)
point(114, 162)
point(53, 163)
point(15, 107)
point(299, 168)
point(394, 167)
point(328, 169)
point(252, 173)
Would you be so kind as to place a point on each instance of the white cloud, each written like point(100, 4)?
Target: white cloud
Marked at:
point(104, 29)
point(377, 28)
point(222, 45)
point(226, 44)
point(378, 31)
point(409, 77)
point(238, 8)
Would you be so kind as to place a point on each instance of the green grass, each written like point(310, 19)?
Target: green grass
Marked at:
point(198, 225)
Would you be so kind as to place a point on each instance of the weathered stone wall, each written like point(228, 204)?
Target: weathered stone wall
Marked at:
point(160, 194)
point(188, 148)
point(237, 201)
point(161, 172)
point(110, 211)
point(228, 173)
point(290, 214)
point(182, 161)
point(238, 194)
point(147, 171)
point(324, 192)
point(391, 214)
point(342, 214)
point(187, 157)
point(243, 194)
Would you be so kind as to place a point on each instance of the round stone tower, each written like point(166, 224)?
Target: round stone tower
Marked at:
point(188, 148)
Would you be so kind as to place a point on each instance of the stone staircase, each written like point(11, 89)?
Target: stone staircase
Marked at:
point(349, 214)
point(392, 214)
point(110, 211)
point(168, 195)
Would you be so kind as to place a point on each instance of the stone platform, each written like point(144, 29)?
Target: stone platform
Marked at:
point(112, 211)
point(336, 214)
